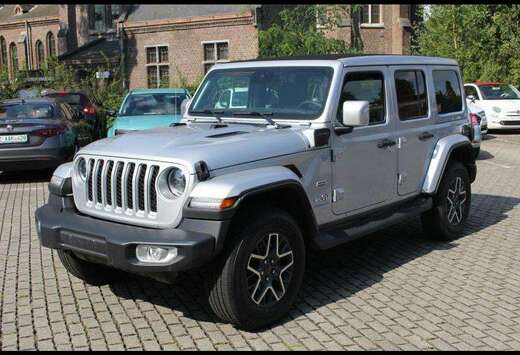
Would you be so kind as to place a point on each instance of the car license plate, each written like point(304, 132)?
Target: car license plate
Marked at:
point(19, 138)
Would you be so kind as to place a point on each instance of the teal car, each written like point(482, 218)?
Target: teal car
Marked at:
point(148, 108)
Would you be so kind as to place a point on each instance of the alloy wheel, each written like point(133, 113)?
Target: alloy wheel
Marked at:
point(456, 201)
point(269, 269)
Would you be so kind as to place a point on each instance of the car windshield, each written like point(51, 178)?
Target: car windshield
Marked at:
point(26, 111)
point(153, 104)
point(283, 92)
point(499, 92)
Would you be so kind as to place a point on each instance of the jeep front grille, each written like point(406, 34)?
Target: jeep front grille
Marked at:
point(113, 184)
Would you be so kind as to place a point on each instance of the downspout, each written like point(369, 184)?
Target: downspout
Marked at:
point(28, 45)
point(122, 48)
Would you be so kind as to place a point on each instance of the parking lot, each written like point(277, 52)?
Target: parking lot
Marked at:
point(393, 290)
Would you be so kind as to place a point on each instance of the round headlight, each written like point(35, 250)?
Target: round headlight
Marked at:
point(176, 182)
point(82, 168)
point(496, 109)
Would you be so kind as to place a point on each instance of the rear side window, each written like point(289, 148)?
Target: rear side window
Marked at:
point(447, 91)
point(365, 86)
point(411, 94)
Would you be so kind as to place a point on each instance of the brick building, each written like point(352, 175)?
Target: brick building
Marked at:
point(166, 45)
point(27, 36)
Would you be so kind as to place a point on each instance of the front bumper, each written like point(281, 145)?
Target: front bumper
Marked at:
point(61, 226)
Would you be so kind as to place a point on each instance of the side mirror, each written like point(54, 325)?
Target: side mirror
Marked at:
point(355, 113)
point(111, 113)
point(184, 106)
point(471, 98)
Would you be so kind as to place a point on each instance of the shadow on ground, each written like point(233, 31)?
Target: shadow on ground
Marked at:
point(484, 155)
point(331, 275)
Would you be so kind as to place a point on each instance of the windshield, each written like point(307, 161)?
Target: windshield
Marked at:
point(153, 104)
point(26, 111)
point(283, 92)
point(499, 92)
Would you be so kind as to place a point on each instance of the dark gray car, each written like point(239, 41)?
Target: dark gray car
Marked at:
point(39, 133)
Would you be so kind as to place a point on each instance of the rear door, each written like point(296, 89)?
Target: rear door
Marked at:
point(415, 124)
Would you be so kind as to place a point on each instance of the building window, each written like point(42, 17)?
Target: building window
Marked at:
point(40, 55)
point(157, 66)
point(215, 52)
point(51, 45)
point(103, 17)
point(3, 53)
point(14, 58)
point(371, 15)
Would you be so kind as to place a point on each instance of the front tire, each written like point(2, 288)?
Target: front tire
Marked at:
point(260, 272)
point(92, 273)
point(445, 221)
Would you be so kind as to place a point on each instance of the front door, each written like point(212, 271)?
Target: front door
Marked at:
point(365, 160)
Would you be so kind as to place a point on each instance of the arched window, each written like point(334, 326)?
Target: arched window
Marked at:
point(51, 45)
point(3, 53)
point(40, 54)
point(14, 57)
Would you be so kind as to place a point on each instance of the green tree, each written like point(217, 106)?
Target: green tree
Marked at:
point(297, 34)
point(484, 39)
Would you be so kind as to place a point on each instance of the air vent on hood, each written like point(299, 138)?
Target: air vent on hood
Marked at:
point(227, 134)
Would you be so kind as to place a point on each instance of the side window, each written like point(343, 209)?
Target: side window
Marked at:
point(471, 91)
point(365, 86)
point(412, 100)
point(447, 91)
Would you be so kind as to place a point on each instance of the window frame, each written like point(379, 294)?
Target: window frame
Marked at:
point(4, 53)
point(385, 122)
point(39, 59)
point(371, 24)
point(215, 47)
point(427, 93)
point(48, 36)
point(479, 96)
point(157, 64)
point(435, 68)
point(13, 58)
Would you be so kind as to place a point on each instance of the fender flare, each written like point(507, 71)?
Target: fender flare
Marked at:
point(244, 185)
point(442, 153)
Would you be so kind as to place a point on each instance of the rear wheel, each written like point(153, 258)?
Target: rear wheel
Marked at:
point(257, 278)
point(92, 273)
point(451, 205)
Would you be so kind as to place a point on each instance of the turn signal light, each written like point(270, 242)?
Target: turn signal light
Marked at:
point(473, 119)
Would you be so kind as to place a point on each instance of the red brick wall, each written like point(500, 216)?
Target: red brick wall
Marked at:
point(186, 50)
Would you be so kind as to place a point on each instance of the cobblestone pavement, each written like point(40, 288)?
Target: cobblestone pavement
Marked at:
point(393, 290)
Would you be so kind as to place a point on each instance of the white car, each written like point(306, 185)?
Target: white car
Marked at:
point(501, 103)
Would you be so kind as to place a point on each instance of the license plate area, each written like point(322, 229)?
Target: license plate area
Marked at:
point(95, 246)
point(13, 139)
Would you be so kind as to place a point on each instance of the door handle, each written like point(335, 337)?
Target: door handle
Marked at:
point(425, 136)
point(386, 143)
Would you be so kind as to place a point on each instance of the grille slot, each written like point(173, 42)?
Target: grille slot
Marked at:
point(115, 185)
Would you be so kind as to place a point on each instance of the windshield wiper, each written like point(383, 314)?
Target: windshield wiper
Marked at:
point(264, 115)
point(216, 113)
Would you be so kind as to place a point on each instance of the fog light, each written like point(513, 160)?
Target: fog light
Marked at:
point(154, 254)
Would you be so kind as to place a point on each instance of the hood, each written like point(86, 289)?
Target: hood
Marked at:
point(145, 121)
point(504, 105)
point(188, 144)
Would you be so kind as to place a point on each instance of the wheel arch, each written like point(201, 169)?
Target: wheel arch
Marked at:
point(456, 147)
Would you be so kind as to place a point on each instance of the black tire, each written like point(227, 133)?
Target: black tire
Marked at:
point(443, 222)
point(92, 273)
point(242, 297)
point(476, 151)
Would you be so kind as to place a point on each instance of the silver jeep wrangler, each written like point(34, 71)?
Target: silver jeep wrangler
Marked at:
point(271, 157)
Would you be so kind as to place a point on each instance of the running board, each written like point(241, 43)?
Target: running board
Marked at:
point(331, 238)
